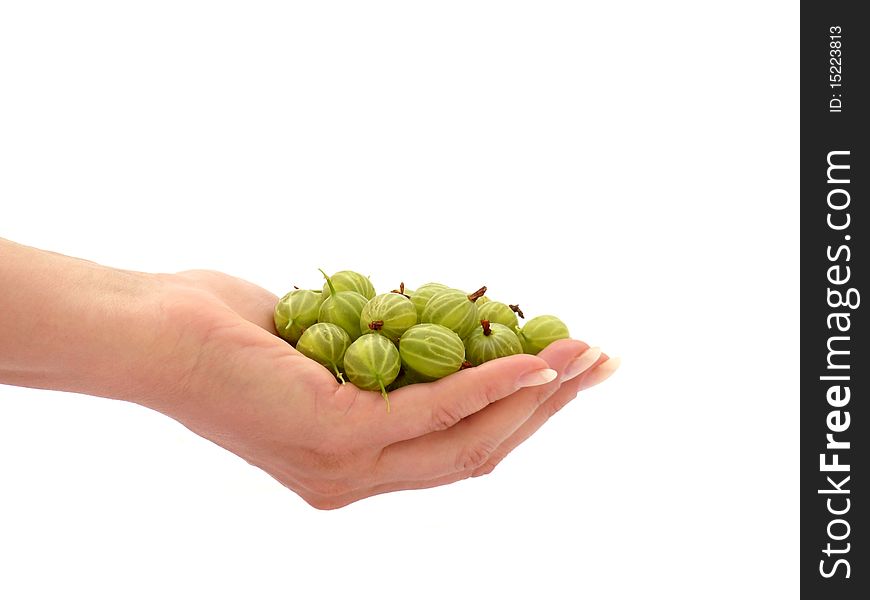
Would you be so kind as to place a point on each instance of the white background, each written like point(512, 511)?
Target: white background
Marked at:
point(632, 167)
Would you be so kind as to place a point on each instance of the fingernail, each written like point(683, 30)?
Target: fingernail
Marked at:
point(581, 363)
point(601, 372)
point(539, 377)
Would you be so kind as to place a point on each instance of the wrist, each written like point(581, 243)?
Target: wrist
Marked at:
point(150, 342)
point(73, 325)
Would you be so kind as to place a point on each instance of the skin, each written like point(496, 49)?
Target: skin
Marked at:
point(200, 347)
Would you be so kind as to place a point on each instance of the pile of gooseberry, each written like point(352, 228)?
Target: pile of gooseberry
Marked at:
point(382, 342)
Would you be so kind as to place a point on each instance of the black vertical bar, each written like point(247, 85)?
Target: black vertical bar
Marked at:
point(835, 224)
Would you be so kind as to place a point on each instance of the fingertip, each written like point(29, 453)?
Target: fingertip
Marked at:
point(602, 371)
point(536, 377)
point(585, 361)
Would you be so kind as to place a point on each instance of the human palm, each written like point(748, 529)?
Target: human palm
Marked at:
point(250, 392)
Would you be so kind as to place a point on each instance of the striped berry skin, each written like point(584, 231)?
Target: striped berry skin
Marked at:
point(389, 315)
point(497, 312)
point(431, 351)
point(372, 363)
point(348, 281)
point(325, 343)
point(422, 294)
point(540, 332)
point(343, 309)
point(482, 300)
point(491, 341)
point(295, 312)
point(452, 309)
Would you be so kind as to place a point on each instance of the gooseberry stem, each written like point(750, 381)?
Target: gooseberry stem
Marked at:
point(487, 330)
point(328, 281)
point(401, 290)
point(384, 392)
point(475, 295)
point(516, 309)
point(338, 373)
point(376, 325)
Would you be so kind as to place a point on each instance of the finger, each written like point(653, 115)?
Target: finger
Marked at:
point(469, 443)
point(570, 370)
point(421, 409)
point(602, 368)
point(602, 371)
point(504, 416)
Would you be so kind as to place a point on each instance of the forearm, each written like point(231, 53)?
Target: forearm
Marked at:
point(73, 325)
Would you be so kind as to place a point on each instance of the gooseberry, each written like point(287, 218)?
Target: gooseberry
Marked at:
point(422, 294)
point(454, 309)
point(491, 341)
point(325, 343)
point(372, 363)
point(342, 309)
point(431, 351)
point(498, 312)
point(388, 314)
point(296, 311)
point(540, 332)
point(348, 281)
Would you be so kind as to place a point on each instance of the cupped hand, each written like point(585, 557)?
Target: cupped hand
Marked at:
point(250, 392)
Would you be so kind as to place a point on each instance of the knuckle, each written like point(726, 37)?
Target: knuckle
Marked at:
point(486, 469)
point(483, 394)
point(474, 455)
point(444, 417)
point(488, 393)
point(550, 409)
point(491, 463)
point(555, 405)
point(544, 393)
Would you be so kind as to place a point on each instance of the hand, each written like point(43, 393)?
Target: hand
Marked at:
point(250, 392)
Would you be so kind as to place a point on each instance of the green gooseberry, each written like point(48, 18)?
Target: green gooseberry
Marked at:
point(343, 309)
point(540, 332)
point(482, 300)
point(348, 281)
point(422, 295)
point(491, 341)
point(388, 314)
point(431, 351)
point(499, 312)
point(372, 363)
point(325, 343)
point(454, 309)
point(296, 311)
